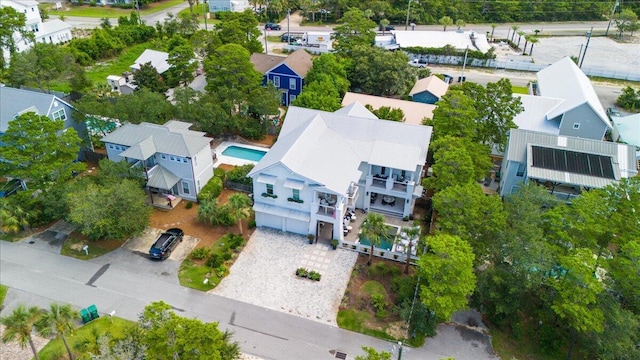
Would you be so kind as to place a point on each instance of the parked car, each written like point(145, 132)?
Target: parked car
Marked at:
point(421, 63)
point(272, 26)
point(386, 28)
point(11, 187)
point(166, 242)
point(285, 38)
point(613, 112)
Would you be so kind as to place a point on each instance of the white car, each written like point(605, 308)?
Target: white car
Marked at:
point(420, 63)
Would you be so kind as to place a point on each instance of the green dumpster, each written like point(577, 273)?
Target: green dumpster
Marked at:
point(86, 316)
point(93, 310)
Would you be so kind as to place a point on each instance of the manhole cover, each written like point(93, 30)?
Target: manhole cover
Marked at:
point(341, 355)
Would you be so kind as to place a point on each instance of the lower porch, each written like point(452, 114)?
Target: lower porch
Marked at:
point(163, 201)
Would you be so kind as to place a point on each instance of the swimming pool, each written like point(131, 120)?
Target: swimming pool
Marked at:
point(386, 242)
point(244, 153)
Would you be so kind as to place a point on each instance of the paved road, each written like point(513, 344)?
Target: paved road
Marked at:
point(37, 277)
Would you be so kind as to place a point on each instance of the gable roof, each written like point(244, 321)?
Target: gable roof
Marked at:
point(146, 139)
point(263, 62)
point(534, 116)
point(328, 148)
point(414, 111)
point(432, 84)
point(356, 109)
point(299, 61)
point(521, 149)
point(158, 60)
point(14, 102)
point(564, 80)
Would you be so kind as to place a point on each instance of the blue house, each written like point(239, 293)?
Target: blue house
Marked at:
point(287, 74)
point(15, 102)
point(228, 5)
point(428, 90)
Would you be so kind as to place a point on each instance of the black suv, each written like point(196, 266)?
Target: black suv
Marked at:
point(165, 244)
point(272, 26)
point(386, 28)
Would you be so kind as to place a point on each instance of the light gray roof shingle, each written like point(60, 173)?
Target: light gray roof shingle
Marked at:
point(174, 139)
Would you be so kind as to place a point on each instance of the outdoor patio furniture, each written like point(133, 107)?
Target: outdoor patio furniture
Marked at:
point(388, 200)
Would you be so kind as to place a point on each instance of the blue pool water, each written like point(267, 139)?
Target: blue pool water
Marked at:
point(386, 242)
point(244, 153)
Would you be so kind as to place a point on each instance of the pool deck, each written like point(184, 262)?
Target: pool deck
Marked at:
point(218, 158)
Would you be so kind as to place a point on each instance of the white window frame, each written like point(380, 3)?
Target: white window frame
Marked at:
point(56, 115)
point(576, 126)
point(185, 187)
point(292, 98)
point(292, 84)
point(521, 169)
point(276, 81)
point(269, 189)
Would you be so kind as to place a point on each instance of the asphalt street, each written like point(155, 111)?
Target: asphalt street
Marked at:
point(37, 276)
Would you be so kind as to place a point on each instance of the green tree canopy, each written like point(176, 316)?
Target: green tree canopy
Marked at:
point(115, 210)
point(147, 77)
point(319, 95)
point(40, 151)
point(40, 65)
point(11, 21)
point(376, 71)
point(356, 30)
point(19, 325)
point(455, 116)
point(241, 29)
point(447, 268)
point(387, 113)
point(328, 66)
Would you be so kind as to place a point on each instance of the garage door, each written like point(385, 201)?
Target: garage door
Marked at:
point(297, 226)
point(269, 220)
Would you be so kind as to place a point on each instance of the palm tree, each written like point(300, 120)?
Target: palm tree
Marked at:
point(533, 40)
point(493, 28)
point(445, 21)
point(515, 29)
point(526, 42)
point(520, 33)
point(58, 322)
point(460, 23)
point(19, 324)
point(413, 234)
point(240, 204)
point(12, 217)
point(383, 25)
point(373, 229)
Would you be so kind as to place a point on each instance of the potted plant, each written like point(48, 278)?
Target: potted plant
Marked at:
point(311, 238)
point(334, 243)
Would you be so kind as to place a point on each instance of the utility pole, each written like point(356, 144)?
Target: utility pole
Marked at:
point(266, 48)
point(288, 27)
point(615, 5)
point(406, 23)
point(586, 46)
point(138, 9)
point(205, 12)
point(399, 350)
point(464, 64)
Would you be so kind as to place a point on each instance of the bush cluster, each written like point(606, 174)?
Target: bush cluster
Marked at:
point(239, 174)
point(211, 190)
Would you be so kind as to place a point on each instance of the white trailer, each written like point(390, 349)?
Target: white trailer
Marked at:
point(318, 39)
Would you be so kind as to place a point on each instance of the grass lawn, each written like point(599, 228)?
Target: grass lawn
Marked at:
point(520, 90)
point(3, 293)
point(73, 247)
point(110, 12)
point(99, 72)
point(192, 275)
point(199, 10)
point(13, 237)
point(114, 327)
point(373, 287)
point(356, 320)
point(274, 38)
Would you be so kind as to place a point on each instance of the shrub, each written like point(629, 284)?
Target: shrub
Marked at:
point(92, 3)
point(234, 241)
point(189, 205)
point(313, 275)
point(220, 173)
point(239, 174)
point(377, 300)
point(199, 253)
point(214, 261)
point(252, 223)
point(222, 271)
point(302, 272)
point(226, 255)
point(211, 190)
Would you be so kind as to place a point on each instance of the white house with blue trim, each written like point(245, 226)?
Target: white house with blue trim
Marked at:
point(176, 160)
point(228, 5)
point(326, 164)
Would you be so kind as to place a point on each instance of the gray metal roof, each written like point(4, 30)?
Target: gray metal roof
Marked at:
point(328, 148)
point(14, 102)
point(564, 80)
point(172, 138)
point(520, 145)
point(161, 178)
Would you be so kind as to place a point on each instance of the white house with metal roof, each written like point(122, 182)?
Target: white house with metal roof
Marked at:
point(15, 102)
point(176, 160)
point(563, 103)
point(158, 59)
point(627, 130)
point(325, 164)
point(565, 165)
point(54, 31)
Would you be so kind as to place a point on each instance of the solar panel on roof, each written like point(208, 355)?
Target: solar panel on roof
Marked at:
point(573, 162)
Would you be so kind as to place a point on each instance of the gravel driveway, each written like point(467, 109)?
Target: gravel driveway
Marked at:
point(264, 275)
